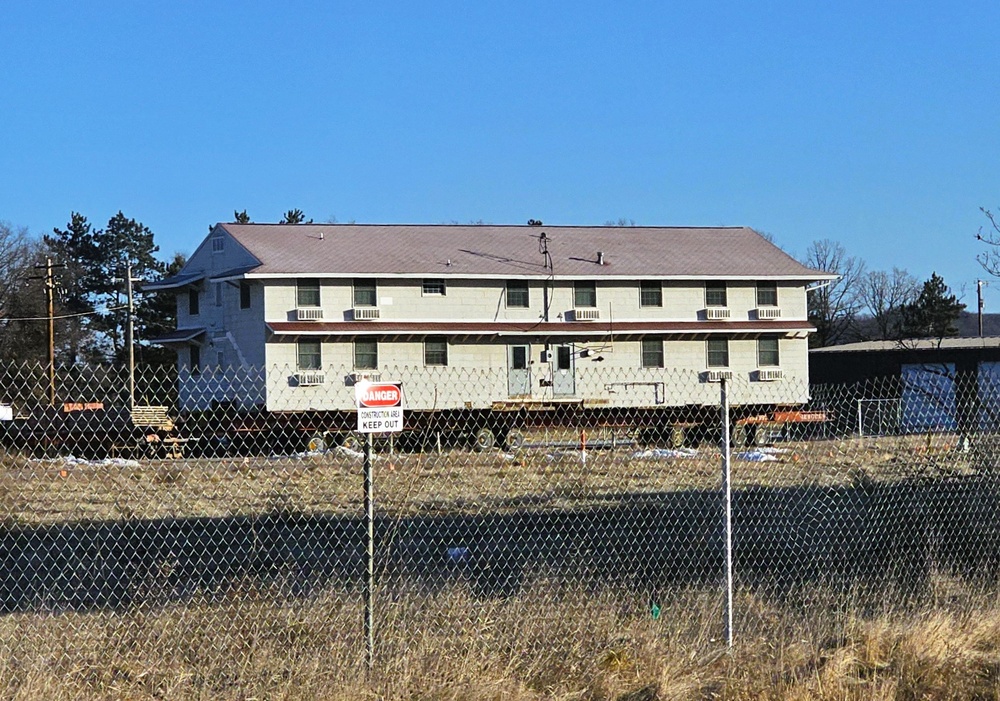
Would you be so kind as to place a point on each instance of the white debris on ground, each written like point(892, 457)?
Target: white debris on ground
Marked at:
point(71, 461)
point(665, 453)
point(755, 456)
point(339, 450)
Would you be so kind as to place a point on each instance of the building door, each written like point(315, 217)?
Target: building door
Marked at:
point(563, 379)
point(518, 371)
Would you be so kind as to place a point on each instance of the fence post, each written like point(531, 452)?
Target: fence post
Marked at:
point(728, 501)
point(369, 583)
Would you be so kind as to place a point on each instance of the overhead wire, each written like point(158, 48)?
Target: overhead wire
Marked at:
point(63, 316)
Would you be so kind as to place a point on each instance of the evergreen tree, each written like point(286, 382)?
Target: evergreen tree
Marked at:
point(122, 242)
point(295, 216)
point(933, 314)
point(94, 281)
point(156, 315)
point(241, 217)
point(74, 249)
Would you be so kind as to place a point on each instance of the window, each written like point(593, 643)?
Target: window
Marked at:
point(718, 352)
point(366, 354)
point(218, 244)
point(650, 293)
point(767, 352)
point(584, 293)
point(715, 294)
point(244, 294)
point(307, 293)
point(309, 355)
point(564, 358)
point(517, 294)
point(365, 293)
point(218, 294)
point(434, 287)
point(436, 351)
point(195, 354)
point(193, 302)
point(767, 294)
point(652, 353)
point(519, 358)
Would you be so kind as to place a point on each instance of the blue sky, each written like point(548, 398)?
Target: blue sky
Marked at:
point(873, 124)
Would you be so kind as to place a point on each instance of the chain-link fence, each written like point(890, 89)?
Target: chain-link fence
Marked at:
point(204, 535)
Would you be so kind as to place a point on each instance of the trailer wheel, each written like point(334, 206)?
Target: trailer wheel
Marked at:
point(352, 441)
point(483, 440)
point(514, 439)
point(677, 436)
point(318, 442)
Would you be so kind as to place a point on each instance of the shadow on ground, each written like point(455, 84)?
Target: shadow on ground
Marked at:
point(880, 535)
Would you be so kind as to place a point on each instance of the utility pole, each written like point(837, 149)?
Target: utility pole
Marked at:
point(543, 248)
point(131, 338)
point(50, 294)
point(979, 299)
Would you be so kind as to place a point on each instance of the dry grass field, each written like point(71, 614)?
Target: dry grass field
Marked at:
point(574, 645)
point(549, 640)
point(34, 491)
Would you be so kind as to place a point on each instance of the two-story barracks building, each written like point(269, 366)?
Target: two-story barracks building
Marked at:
point(287, 318)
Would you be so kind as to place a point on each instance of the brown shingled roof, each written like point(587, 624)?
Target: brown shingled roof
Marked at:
point(513, 251)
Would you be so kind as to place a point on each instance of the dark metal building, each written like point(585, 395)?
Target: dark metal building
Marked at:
point(911, 385)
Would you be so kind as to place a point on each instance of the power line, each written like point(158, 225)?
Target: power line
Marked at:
point(63, 316)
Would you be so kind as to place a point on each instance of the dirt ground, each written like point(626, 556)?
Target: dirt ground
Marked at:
point(36, 491)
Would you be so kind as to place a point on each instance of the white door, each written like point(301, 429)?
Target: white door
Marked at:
point(563, 367)
point(518, 371)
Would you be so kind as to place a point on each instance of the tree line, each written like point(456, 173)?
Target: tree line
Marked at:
point(90, 305)
point(87, 267)
point(876, 305)
point(90, 265)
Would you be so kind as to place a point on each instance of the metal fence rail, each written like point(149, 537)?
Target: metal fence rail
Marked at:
point(207, 532)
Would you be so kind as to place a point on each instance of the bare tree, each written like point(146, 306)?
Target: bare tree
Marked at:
point(990, 258)
point(834, 307)
point(883, 297)
point(21, 306)
point(15, 255)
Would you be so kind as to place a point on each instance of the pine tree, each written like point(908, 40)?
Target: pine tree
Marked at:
point(295, 216)
point(74, 248)
point(93, 283)
point(156, 315)
point(933, 314)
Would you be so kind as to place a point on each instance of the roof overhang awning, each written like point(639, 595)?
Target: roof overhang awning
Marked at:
point(178, 337)
point(173, 283)
point(504, 329)
point(233, 273)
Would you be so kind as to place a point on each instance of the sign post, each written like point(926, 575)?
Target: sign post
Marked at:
point(380, 410)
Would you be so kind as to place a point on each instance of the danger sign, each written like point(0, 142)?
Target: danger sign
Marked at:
point(380, 406)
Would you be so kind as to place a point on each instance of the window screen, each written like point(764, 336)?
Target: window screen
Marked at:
point(718, 353)
point(715, 294)
point(366, 354)
point(307, 293)
point(584, 294)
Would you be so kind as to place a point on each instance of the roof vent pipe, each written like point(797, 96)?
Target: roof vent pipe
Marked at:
point(600, 257)
point(320, 235)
